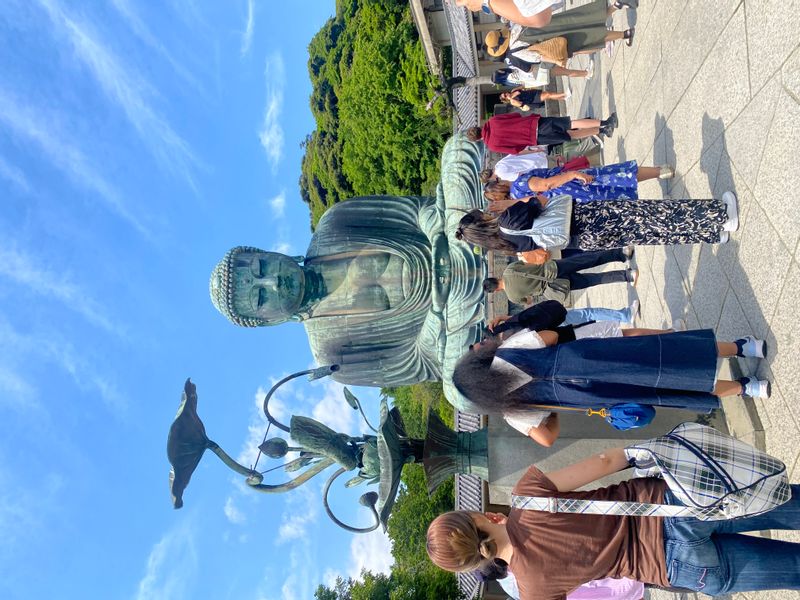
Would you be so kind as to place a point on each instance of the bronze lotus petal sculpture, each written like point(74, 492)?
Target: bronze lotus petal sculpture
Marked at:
point(186, 443)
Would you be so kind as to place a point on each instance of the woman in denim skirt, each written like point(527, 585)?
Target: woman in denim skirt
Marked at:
point(531, 369)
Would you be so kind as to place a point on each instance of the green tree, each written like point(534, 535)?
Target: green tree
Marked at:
point(399, 585)
point(370, 86)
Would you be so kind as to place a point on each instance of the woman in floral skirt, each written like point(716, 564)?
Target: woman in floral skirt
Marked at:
point(602, 225)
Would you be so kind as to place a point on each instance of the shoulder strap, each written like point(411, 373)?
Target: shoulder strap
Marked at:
point(607, 507)
point(520, 232)
point(527, 275)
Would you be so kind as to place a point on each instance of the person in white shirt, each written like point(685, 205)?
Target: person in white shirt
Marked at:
point(542, 426)
point(530, 13)
point(512, 166)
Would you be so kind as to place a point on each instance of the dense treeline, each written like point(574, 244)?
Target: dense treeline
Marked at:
point(370, 87)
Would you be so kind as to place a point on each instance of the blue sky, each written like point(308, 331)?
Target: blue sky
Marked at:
point(138, 142)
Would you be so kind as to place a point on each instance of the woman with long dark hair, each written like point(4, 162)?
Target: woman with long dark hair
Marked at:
point(604, 225)
point(530, 371)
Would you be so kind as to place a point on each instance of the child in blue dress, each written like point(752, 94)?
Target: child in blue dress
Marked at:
point(610, 182)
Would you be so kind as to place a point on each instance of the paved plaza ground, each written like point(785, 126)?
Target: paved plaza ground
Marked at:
point(713, 88)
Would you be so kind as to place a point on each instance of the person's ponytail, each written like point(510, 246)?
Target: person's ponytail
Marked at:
point(488, 548)
point(456, 544)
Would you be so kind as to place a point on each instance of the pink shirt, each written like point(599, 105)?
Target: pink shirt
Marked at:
point(604, 589)
point(600, 589)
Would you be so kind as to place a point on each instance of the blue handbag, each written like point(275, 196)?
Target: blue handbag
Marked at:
point(629, 416)
point(620, 416)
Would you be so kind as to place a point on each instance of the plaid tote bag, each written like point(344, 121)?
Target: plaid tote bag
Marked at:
point(714, 476)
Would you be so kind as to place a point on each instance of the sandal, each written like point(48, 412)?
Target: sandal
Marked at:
point(627, 35)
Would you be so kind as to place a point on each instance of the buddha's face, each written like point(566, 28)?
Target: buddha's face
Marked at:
point(267, 286)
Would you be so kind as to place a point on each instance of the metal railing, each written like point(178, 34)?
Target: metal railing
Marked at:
point(465, 64)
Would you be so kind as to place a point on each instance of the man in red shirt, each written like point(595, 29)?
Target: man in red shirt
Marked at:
point(511, 133)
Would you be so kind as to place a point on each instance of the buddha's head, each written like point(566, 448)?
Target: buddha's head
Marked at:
point(254, 288)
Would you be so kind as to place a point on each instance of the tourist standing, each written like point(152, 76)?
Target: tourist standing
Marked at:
point(604, 225)
point(513, 133)
point(552, 554)
point(526, 283)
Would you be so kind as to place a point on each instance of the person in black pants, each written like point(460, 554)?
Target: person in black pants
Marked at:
point(529, 283)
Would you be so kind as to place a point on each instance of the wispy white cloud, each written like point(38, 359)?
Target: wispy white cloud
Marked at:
point(247, 35)
point(271, 133)
point(282, 248)
point(47, 133)
point(18, 348)
point(26, 508)
point(171, 566)
point(333, 409)
point(30, 272)
point(301, 514)
point(128, 90)
point(258, 422)
point(302, 574)
point(278, 205)
point(232, 512)
point(142, 31)
point(371, 551)
point(18, 392)
point(330, 576)
point(15, 176)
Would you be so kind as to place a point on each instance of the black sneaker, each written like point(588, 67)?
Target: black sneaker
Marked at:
point(611, 121)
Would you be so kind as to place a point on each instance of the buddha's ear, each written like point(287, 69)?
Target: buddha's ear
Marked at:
point(271, 322)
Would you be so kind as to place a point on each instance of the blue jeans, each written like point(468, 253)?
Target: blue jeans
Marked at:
point(576, 316)
point(714, 558)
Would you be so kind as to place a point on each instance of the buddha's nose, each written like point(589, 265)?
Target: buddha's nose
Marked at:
point(270, 281)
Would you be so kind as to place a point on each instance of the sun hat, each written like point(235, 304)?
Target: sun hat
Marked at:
point(497, 42)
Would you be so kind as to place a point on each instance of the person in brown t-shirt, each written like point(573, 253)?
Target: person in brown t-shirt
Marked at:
point(551, 554)
point(559, 552)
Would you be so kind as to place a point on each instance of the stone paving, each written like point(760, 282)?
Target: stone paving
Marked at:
point(713, 88)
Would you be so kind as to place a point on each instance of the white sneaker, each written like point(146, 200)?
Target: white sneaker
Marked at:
point(732, 208)
point(724, 237)
point(590, 69)
point(633, 276)
point(679, 325)
point(756, 388)
point(752, 347)
point(634, 310)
